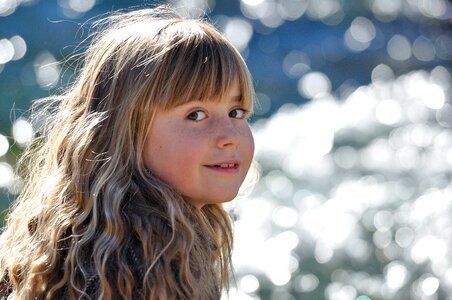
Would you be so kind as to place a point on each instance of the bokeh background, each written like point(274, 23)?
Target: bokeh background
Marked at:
point(352, 128)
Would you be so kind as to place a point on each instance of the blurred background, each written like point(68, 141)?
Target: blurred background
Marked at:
point(352, 128)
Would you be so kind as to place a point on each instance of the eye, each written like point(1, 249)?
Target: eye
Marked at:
point(238, 113)
point(197, 115)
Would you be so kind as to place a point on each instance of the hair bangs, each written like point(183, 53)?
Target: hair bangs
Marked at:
point(203, 66)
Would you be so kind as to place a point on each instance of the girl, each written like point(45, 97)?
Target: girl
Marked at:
point(124, 188)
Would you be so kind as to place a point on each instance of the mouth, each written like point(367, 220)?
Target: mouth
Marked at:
point(228, 167)
point(224, 166)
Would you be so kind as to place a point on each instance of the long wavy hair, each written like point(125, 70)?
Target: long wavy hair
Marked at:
point(88, 197)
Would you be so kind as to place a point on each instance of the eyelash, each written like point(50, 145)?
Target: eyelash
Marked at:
point(193, 113)
point(244, 114)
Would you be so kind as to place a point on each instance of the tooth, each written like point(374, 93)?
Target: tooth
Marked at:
point(224, 165)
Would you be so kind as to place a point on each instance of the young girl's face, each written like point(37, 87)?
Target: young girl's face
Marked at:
point(203, 149)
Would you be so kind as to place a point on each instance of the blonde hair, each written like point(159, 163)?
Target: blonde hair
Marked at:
point(89, 204)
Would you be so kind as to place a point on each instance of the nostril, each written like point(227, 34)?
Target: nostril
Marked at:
point(228, 137)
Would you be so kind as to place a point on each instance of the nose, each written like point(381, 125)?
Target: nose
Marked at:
point(228, 134)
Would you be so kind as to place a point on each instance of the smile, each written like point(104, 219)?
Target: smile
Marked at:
point(226, 167)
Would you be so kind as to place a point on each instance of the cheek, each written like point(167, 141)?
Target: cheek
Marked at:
point(249, 142)
point(172, 154)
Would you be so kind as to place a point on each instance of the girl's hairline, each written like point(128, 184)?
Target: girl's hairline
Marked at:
point(241, 97)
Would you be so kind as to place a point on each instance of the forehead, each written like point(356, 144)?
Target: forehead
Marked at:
point(235, 91)
point(232, 95)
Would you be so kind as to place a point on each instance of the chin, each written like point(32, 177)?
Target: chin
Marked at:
point(225, 199)
point(212, 201)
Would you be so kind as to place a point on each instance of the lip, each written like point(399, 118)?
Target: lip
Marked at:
point(229, 170)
